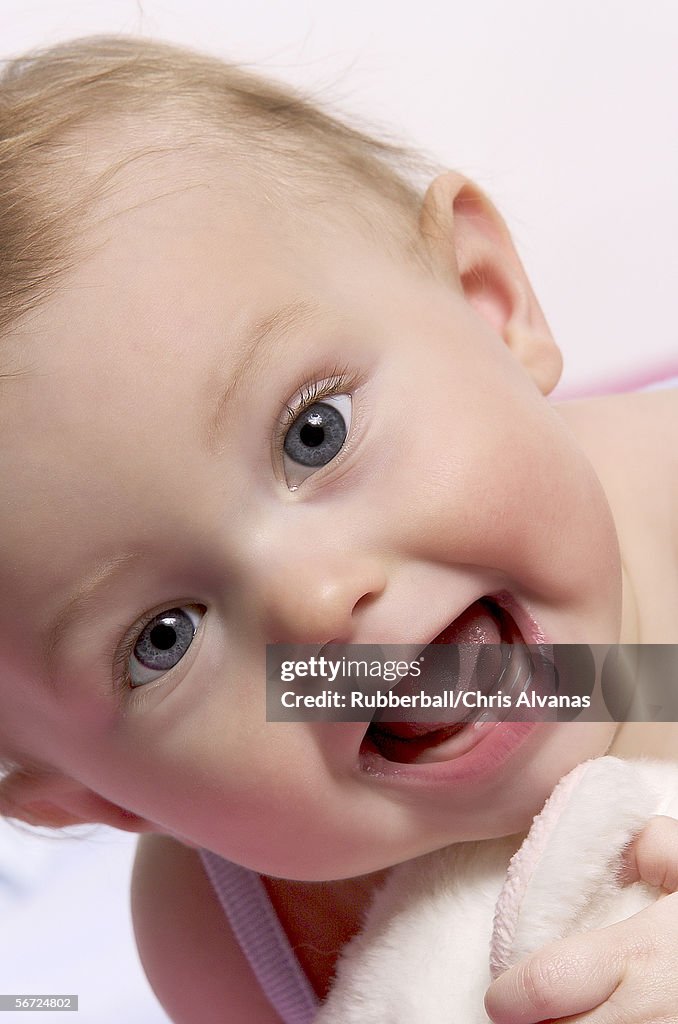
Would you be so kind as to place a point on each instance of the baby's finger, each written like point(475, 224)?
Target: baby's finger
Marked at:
point(570, 976)
point(653, 855)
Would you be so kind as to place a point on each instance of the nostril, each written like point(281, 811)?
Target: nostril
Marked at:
point(322, 598)
point(330, 643)
point(365, 600)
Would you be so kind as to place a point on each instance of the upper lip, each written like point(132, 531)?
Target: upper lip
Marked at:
point(529, 629)
point(503, 599)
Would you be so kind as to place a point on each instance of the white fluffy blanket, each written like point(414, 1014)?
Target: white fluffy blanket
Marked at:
point(444, 925)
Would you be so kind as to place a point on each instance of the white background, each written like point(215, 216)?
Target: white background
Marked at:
point(565, 113)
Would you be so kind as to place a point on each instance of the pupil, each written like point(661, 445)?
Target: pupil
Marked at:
point(311, 435)
point(163, 637)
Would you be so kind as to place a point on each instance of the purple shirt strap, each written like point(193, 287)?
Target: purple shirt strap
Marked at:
point(256, 926)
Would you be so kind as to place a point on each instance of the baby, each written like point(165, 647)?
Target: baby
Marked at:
point(257, 388)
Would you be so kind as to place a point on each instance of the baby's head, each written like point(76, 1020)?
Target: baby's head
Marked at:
point(258, 389)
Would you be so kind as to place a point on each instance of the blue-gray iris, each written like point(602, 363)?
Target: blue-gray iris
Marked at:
point(316, 436)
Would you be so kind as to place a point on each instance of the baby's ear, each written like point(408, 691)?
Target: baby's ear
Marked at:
point(54, 800)
point(471, 248)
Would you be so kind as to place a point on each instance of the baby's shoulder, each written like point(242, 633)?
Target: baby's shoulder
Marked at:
point(634, 438)
point(189, 953)
point(640, 450)
point(628, 430)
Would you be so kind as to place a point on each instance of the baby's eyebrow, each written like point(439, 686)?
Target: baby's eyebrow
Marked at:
point(265, 332)
point(102, 575)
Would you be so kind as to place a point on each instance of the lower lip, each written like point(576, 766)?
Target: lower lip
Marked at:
point(478, 754)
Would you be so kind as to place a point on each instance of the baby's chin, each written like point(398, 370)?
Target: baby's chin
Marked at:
point(520, 795)
point(562, 746)
point(507, 809)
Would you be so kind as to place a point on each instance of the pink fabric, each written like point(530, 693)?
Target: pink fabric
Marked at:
point(635, 380)
point(521, 868)
point(262, 939)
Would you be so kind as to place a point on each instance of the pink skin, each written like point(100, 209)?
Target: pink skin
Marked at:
point(457, 479)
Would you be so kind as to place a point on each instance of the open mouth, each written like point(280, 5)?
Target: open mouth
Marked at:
point(402, 742)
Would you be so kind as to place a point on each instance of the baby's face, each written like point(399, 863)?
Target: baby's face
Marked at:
point(158, 462)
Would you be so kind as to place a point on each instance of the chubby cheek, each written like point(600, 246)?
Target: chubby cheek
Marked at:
point(546, 522)
point(256, 793)
point(554, 520)
point(503, 486)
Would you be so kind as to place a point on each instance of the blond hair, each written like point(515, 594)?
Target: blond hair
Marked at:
point(55, 102)
point(51, 98)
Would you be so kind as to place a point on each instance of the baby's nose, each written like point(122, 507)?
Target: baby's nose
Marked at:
point(319, 600)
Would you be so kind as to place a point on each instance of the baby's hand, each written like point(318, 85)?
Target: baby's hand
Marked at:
point(624, 974)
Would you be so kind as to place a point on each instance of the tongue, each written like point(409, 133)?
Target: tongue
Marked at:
point(476, 625)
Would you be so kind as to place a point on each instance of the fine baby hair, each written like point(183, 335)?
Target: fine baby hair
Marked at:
point(130, 97)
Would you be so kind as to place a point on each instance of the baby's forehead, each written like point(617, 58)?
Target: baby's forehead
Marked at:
point(201, 213)
point(157, 182)
point(174, 175)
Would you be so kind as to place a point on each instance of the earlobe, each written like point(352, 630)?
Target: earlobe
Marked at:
point(471, 248)
point(54, 800)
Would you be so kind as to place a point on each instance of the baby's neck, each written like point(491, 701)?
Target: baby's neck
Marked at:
point(632, 442)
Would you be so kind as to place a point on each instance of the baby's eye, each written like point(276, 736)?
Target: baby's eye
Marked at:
point(315, 437)
point(162, 643)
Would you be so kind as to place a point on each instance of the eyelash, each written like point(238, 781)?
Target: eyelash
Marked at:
point(122, 681)
point(341, 381)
